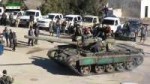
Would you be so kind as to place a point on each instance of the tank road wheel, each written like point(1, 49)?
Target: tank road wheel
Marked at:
point(109, 68)
point(99, 69)
point(53, 54)
point(139, 60)
point(85, 70)
point(129, 65)
point(120, 67)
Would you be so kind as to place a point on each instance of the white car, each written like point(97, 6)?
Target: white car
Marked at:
point(44, 22)
point(74, 18)
point(113, 22)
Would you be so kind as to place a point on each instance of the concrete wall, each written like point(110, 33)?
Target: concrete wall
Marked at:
point(143, 4)
point(117, 12)
point(33, 4)
point(130, 8)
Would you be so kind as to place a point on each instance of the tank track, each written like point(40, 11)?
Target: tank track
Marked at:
point(102, 69)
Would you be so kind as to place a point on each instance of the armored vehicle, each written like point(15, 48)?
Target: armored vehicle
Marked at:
point(84, 61)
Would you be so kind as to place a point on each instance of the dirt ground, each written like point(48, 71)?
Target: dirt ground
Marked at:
point(30, 65)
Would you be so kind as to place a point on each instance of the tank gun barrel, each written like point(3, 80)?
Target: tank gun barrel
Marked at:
point(51, 39)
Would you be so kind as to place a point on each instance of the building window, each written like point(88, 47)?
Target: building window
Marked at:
point(146, 11)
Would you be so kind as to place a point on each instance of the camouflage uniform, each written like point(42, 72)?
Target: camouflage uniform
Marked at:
point(6, 80)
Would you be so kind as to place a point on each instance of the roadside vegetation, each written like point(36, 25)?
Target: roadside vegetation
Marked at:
point(92, 7)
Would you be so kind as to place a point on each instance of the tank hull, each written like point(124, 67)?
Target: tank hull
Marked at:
point(122, 58)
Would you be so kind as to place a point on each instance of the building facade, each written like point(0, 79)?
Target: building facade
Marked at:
point(132, 8)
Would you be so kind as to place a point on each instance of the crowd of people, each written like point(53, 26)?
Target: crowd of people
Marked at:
point(9, 19)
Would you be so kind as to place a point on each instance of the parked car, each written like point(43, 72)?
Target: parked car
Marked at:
point(129, 31)
point(24, 20)
point(74, 18)
point(44, 22)
point(113, 22)
point(89, 20)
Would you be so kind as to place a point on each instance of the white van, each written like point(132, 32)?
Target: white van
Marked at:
point(74, 18)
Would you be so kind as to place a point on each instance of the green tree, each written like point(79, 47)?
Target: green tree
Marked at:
point(73, 6)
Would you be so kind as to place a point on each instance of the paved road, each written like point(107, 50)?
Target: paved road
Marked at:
point(30, 65)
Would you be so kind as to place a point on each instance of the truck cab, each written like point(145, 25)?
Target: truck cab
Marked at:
point(44, 22)
point(24, 20)
point(113, 22)
point(90, 20)
point(74, 18)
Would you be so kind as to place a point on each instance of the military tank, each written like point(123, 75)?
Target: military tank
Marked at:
point(83, 61)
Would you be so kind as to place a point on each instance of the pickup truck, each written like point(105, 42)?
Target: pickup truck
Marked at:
point(113, 22)
point(44, 22)
point(74, 18)
point(24, 20)
point(89, 20)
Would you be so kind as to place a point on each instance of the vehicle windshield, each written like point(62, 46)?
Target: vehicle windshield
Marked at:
point(108, 22)
point(69, 18)
point(87, 19)
point(11, 10)
point(28, 13)
point(134, 25)
point(50, 16)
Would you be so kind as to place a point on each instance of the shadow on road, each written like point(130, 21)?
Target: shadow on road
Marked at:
point(21, 43)
point(147, 45)
point(8, 49)
point(51, 67)
point(17, 64)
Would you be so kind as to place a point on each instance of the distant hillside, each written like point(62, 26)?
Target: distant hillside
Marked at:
point(33, 4)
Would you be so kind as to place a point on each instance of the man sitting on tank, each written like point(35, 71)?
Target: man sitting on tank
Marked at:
point(97, 46)
point(78, 33)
